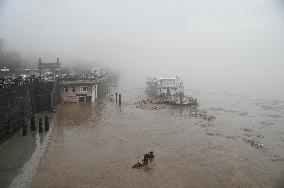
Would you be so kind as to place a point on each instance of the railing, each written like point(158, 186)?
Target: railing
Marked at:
point(82, 78)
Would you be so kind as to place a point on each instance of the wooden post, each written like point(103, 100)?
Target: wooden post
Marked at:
point(119, 99)
point(33, 126)
point(116, 97)
point(46, 123)
point(40, 128)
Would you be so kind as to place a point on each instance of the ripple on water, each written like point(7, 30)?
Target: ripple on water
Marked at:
point(235, 112)
point(265, 123)
point(270, 105)
point(274, 116)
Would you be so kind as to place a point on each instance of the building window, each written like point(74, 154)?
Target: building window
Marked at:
point(84, 89)
point(66, 89)
point(73, 89)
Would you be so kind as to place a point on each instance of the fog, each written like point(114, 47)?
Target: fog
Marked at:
point(236, 46)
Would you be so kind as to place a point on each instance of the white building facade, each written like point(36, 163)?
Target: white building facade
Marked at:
point(78, 91)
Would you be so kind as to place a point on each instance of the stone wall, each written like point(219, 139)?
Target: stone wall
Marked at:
point(21, 101)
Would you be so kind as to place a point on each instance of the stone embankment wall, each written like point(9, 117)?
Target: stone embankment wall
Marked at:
point(20, 101)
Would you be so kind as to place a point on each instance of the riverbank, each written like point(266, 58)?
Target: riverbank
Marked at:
point(20, 155)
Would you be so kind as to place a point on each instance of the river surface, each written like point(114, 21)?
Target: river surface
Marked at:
point(95, 145)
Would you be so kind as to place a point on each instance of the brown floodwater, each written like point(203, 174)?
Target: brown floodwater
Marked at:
point(95, 145)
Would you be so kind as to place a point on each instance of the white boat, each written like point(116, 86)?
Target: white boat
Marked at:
point(169, 90)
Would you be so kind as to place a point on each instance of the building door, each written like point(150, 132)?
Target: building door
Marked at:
point(88, 98)
point(82, 99)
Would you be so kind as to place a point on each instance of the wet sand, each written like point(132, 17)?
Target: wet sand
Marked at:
point(96, 145)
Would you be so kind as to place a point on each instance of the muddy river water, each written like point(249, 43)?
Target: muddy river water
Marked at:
point(95, 145)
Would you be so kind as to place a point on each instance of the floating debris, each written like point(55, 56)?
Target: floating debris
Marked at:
point(148, 157)
point(204, 124)
point(216, 109)
point(264, 123)
point(260, 136)
point(231, 137)
point(254, 144)
point(247, 130)
point(251, 135)
point(150, 104)
point(208, 132)
point(203, 115)
point(137, 165)
point(155, 108)
point(144, 104)
point(211, 117)
point(254, 135)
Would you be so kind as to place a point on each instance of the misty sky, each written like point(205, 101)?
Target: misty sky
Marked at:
point(224, 44)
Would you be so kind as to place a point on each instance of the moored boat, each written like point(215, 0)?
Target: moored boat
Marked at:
point(168, 90)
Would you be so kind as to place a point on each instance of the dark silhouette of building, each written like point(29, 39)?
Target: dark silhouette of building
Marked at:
point(54, 68)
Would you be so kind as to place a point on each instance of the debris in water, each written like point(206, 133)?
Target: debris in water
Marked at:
point(137, 165)
point(260, 136)
point(231, 137)
point(203, 125)
point(266, 123)
point(248, 130)
point(254, 144)
point(255, 135)
point(148, 157)
point(203, 115)
point(210, 118)
point(155, 108)
point(208, 132)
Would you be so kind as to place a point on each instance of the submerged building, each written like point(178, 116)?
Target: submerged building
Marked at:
point(78, 91)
